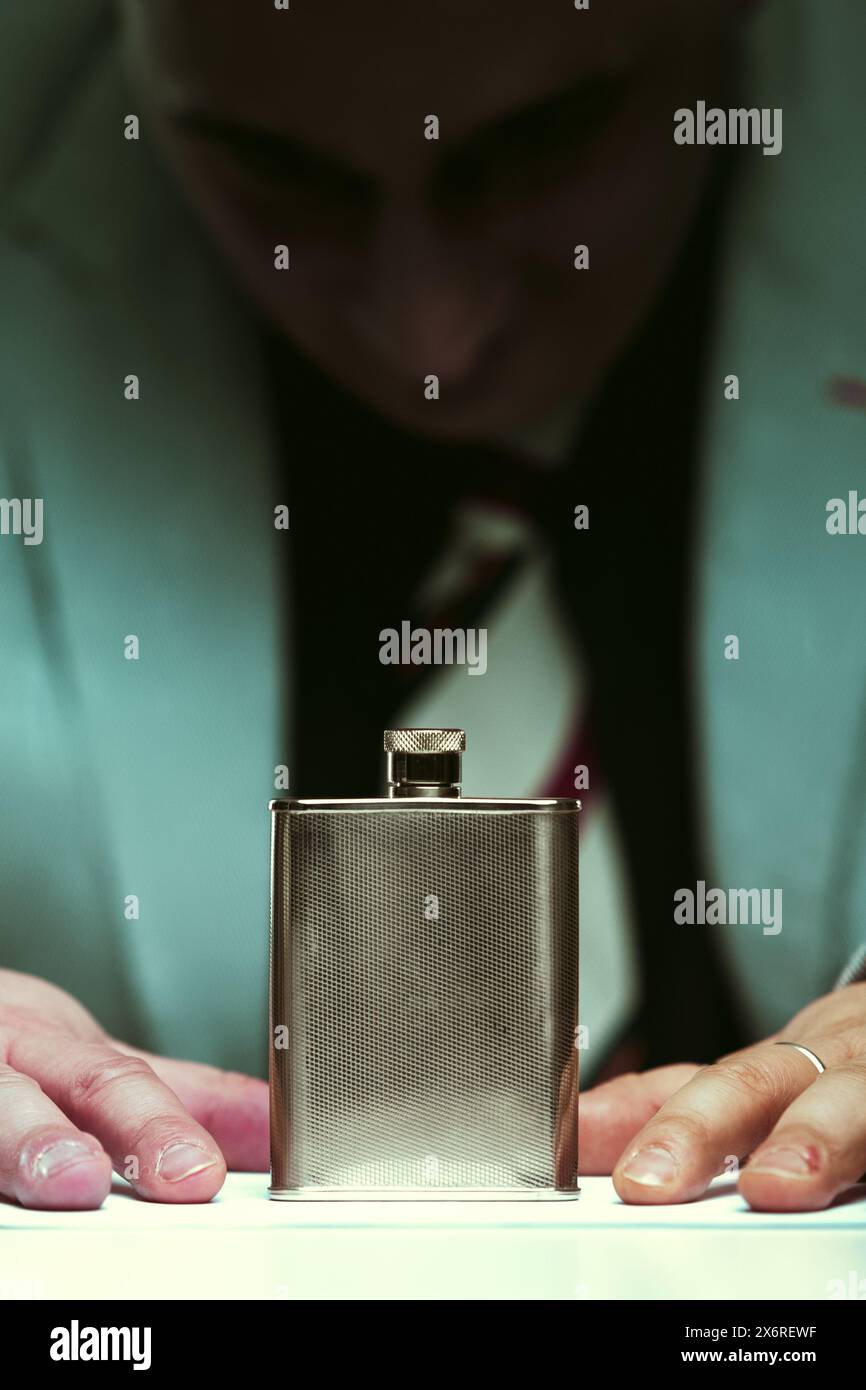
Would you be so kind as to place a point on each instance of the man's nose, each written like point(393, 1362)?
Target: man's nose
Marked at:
point(429, 301)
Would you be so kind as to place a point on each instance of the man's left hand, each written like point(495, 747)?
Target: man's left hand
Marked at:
point(667, 1133)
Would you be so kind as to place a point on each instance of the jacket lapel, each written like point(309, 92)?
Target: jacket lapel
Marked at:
point(158, 525)
point(784, 739)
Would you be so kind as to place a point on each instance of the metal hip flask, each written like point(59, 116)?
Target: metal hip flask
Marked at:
point(423, 990)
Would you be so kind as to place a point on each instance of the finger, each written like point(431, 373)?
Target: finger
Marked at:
point(45, 1161)
point(611, 1114)
point(722, 1113)
point(153, 1141)
point(231, 1107)
point(817, 1149)
point(28, 996)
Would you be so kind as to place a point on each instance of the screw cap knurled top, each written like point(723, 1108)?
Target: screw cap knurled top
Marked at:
point(425, 741)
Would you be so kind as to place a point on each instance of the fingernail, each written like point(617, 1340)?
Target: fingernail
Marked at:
point(64, 1154)
point(787, 1163)
point(653, 1167)
point(180, 1161)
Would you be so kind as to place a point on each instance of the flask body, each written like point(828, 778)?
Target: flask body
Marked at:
point(424, 994)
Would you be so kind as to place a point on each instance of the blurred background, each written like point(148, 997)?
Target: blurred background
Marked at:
point(443, 285)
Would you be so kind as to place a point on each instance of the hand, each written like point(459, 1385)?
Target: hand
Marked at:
point(665, 1134)
point(75, 1103)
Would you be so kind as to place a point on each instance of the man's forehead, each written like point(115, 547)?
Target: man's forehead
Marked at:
point(358, 79)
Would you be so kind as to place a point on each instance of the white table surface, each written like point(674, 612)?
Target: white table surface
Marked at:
point(243, 1245)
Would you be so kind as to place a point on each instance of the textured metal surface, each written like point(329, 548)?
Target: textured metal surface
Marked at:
point(424, 1052)
point(425, 741)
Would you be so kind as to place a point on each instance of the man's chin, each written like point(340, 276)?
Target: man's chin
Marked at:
point(459, 416)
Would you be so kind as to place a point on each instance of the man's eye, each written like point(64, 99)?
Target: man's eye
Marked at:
point(279, 161)
point(525, 153)
point(281, 166)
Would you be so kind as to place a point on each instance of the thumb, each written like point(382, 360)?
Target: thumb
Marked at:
point(232, 1107)
point(611, 1114)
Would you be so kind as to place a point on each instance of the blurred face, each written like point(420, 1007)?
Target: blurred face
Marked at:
point(454, 256)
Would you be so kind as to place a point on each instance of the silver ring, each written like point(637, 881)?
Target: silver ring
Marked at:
point(816, 1061)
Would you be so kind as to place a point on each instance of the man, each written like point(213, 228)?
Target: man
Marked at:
point(324, 309)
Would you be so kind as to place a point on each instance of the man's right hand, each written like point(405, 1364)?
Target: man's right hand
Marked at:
point(75, 1104)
